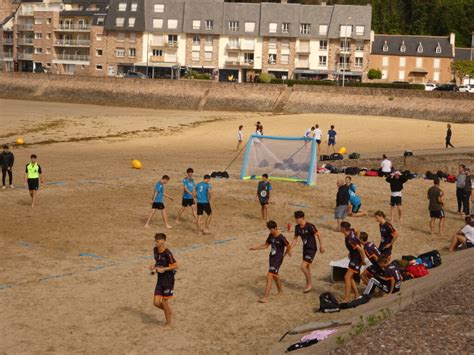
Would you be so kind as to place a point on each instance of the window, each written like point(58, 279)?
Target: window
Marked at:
point(100, 20)
point(195, 56)
point(359, 62)
point(208, 56)
point(272, 59)
point(401, 75)
point(49, 20)
point(38, 35)
point(233, 26)
point(98, 52)
point(38, 50)
point(209, 40)
point(48, 64)
point(359, 46)
point(172, 39)
point(196, 40)
point(272, 27)
point(159, 8)
point(120, 36)
point(131, 21)
point(122, 6)
point(285, 44)
point(385, 61)
point(402, 62)
point(120, 52)
point(323, 60)
point(385, 47)
point(285, 27)
point(119, 21)
point(436, 76)
point(419, 49)
point(157, 53)
point(436, 63)
point(345, 31)
point(132, 37)
point(157, 23)
point(345, 45)
point(384, 74)
point(323, 30)
point(249, 27)
point(196, 24)
point(38, 21)
point(438, 48)
point(48, 50)
point(248, 58)
point(133, 7)
point(48, 35)
point(323, 45)
point(285, 59)
point(98, 37)
point(272, 43)
point(98, 67)
point(209, 25)
point(360, 30)
point(305, 28)
point(403, 47)
point(132, 52)
point(172, 24)
point(419, 62)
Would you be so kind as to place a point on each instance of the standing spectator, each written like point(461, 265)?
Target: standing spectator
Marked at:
point(318, 134)
point(460, 184)
point(7, 159)
point(435, 197)
point(33, 177)
point(449, 134)
point(396, 182)
point(342, 202)
point(468, 195)
point(385, 166)
point(332, 139)
point(240, 137)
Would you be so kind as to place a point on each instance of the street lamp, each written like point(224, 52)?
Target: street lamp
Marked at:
point(344, 48)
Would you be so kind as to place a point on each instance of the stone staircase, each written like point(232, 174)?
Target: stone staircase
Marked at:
point(281, 101)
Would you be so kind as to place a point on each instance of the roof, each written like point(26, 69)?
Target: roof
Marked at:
point(463, 54)
point(113, 13)
point(429, 43)
point(173, 10)
point(351, 15)
point(203, 11)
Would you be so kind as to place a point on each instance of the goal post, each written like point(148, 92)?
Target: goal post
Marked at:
point(290, 159)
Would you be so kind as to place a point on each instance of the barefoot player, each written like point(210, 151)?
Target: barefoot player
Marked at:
point(203, 193)
point(33, 177)
point(388, 234)
point(188, 195)
point(280, 248)
point(263, 195)
point(308, 234)
point(157, 202)
point(165, 266)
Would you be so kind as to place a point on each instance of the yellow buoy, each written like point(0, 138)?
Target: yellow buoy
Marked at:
point(136, 164)
point(342, 150)
point(20, 141)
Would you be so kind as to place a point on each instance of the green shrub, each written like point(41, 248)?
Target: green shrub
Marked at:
point(266, 78)
point(303, 82)
point(374, 74)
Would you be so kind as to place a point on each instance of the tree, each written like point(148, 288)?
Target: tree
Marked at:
point(462, 69)
point(374, 74)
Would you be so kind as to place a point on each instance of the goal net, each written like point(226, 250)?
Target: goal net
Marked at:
point(282, 158)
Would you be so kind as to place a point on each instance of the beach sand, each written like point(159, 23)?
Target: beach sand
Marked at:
point(54, 300)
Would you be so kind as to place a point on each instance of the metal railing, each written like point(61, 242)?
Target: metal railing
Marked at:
point(72, 42)
point(25, 41)
point(303, 49)
point(73, 27)
point(73, 57)
point(233, 45)
point(22, 27)
point(7, 41)
point(25, 56)
point(232, 62)
point(7, 55)
point(171, 44)
point(157, 58)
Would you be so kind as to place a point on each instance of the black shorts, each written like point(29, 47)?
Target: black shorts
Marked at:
point(355, 265)
point(158, 206)
point(395, 200)
point(469, 244)
point(164, 290)
point(275, 263)
point(385, 286)
point(308, 255)
point(187, 202)
point(33, 184)
point(332, 141)
point(263, 202)
point(204, 207)
point(385, 251)
point(318, 141)
point(374, 270)
point(437, 214)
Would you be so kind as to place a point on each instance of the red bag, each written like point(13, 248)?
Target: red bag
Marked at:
point(451, 178)
point(371, 173)
point(417, 270)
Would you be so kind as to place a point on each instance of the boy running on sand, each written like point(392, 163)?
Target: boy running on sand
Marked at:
point(263, 195)
point(356, 260)
point(188, 195)
point(388, 234)
point(308, 234)
point(157, 202)
point(165, 266)
point(33, 177)
point(279, 249)
point(374, 255)
point(203, 193)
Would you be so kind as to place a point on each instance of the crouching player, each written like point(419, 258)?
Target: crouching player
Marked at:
point(373, 254)
point(165, 266)
point(389, 282)
point(279, 249)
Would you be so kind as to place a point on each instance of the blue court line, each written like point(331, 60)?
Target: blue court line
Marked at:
point(223, 241)
point(24, 244)
point(100, 267)
point(91, 255)
point(55, 183)
point(4, 287)
point(55, 276)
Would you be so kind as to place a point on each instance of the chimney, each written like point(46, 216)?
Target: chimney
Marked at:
point(452, 42)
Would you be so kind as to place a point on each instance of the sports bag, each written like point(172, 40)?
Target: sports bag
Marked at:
point(441, 175)
point(354, 156)
point(328, 303)
point(451, 178)
point(337, 156)
point(324, 157)
point(417, 270)
point(352, 170)
point(430, 176)
point(408, 153)
point(431, 259)
point(372, 173)
point(355, 303)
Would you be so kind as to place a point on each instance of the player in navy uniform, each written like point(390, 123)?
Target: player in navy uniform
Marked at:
point(263, 195)
point(389, 282)
point(388, 234)
point(356, 259)
point(374, 255)
point(165, 266)
point(308, 234)
point(189, 195)
point(279, 249)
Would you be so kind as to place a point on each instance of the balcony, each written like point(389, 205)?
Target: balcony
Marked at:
point(232, 63)
point(65, 58)
point(302, 64)
point(248, 62)
point(344, 50)
point(233, 45)
point(303, 49)
point(73, 28)
point(72, 43)
point(157, 59)
point(25, 41)
point(27, 27)
point(25, 56)
point(343, 67)
point(8, 41)
point(7, 55)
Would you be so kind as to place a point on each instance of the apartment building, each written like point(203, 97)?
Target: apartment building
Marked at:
point(415, 59)
point(6, 44)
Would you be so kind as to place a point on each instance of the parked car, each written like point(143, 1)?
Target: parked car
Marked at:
point(467, 88)
point(136, 75)
point(447, 87)
point(430, 87)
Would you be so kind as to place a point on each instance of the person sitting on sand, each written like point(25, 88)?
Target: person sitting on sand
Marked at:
point(389, 282)
point(157, 202)
point(465, 236)
point(385, 166)
point(279, 249)
point(374, 255)
point(355, 204)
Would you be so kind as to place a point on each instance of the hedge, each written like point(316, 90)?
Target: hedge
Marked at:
point(350, 84)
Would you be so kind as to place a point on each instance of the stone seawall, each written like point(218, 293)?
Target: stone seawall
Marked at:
point(204, 95)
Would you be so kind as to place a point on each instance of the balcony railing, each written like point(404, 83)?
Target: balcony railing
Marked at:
point(302, 64)
point(7, 55)
point(233, 45)
point(73, 27)
point(25, 56)
point(232, 62)
point(171, 44)
point(302, 49)
point(342, 66)
point(25, 41)
point(27, 27)
point(73, 57)
point(7, 41)
point(72, 43)
point(344, 50)
point(157, 58)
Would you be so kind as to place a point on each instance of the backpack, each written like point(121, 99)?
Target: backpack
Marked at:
point(451, 178)
point(431, 259)
point(354, 156)
point(337, 156)
point(328, 303)
point(213, 174)
point(417, 271)
point(441, 175)
point(356, 303)
point(352, 170)
point(407, 174)
point(324, 157)
point(408, 153)
point(225, 174)
point(372, 173)
point(430, 176)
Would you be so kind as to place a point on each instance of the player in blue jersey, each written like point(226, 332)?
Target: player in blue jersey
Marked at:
point(203, 195)
point(189, 194)
point(157, 202)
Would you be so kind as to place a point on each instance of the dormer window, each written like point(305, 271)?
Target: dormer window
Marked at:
point(403, 47)
point(438, 48)
point(419, 49)
point(385, 47)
